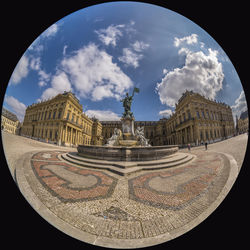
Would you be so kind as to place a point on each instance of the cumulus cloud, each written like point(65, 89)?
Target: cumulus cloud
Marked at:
point(192, 39)
point(103, 115)
point(64, 49)
point(42, 83)
point(240, 105)
point(111, 34)
point(129, 58)
point(139, 46)
point(35, 64)
point(166, 113)
point(21, 70)
point(51, 31)
point(37, 45)
point(17, 106)
point(59, 84)
point(164, 71)
point(94, 75)
point(201, 73)
point(91, 73)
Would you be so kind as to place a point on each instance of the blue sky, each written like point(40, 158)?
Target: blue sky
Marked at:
point(103, 51)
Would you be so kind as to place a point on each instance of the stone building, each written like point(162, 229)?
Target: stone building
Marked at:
point(97, 138)
point(59, 120)
point(243, 123)
point(9, 122)
point(196, 120)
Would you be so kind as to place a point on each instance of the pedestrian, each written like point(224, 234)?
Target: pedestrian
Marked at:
point(189, 146)
point(206, 145)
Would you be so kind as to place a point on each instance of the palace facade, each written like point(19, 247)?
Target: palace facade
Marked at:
point(242, 123)
point(61, 120)
point(196, 120)
point(9, 122)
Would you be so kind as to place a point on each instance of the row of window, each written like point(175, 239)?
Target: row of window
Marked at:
point(214, 116)
point(50, 135)
point(9, 121)
point(45, 115)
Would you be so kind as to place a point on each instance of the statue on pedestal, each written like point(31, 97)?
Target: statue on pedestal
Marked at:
point(127, 101)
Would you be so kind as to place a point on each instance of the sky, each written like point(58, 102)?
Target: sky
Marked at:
point(103, 51)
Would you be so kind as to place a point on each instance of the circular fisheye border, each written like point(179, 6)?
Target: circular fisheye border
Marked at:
point(216, 226)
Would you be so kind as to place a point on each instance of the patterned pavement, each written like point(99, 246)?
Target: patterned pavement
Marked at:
point(138, 207)
point(69, 183)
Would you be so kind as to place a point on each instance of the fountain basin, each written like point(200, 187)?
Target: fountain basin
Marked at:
point(128, 143)
point(123, 153)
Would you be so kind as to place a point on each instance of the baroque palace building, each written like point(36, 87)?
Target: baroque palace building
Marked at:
point(242, 123)
point(61, 120)
point(196, 120)
point(9, 122)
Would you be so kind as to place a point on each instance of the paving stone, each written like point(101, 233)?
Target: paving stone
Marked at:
point(117, 209)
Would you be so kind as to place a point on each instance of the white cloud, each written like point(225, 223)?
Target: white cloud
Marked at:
point(59, 84)
point(129, 58)
point(64, 49)
point(101, 92)
point(43, 76)
point(187, 40)
point(93, 74)
point(21, 70)
point(111, 34)
point(201, 73)
point(166, 113)
point(183, 51)
point(139, 46)
point(164, 71)
point(17, 106)
point(42, 83)
point(103, 115)
point(36, 46)
point(35, 63)
point(240, 105)
point(51, 31)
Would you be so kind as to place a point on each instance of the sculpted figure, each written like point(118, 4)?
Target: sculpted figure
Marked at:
point(113, 140)
point(139, 132)
point(126, 102)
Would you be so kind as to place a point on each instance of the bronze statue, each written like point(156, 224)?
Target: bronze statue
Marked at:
point(127, 101)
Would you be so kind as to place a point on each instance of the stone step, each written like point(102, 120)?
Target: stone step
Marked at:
point(168, 165)
point(114, 169)
point(128, 164)
point(133, 168)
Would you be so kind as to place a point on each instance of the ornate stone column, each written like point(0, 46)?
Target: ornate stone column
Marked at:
point(191, 134)
point(71, 133)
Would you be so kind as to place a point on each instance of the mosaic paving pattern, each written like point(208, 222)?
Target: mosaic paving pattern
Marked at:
point(49, 156)
point(175, 188)
point(145, 204)
point(70, 183)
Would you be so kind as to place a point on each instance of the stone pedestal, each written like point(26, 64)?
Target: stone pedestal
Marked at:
point(128, 126)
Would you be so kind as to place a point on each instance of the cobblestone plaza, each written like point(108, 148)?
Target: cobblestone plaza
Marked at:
point(105, 209)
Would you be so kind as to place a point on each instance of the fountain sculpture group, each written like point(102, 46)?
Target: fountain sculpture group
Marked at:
point(127, 150)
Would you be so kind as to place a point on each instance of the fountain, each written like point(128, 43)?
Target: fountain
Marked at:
point(127, 150)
